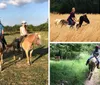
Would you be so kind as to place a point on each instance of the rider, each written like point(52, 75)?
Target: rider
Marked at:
point(23, 30)
point(4, 43)
point(71, 18)
point(95, 54)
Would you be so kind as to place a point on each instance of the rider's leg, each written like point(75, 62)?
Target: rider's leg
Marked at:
point(4, 42)
point(97, 62)
point(71, 22)
point(89, 60)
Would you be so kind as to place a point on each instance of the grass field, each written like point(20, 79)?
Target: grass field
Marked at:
point(72, 71)
point(19, 73)
point(86, 33)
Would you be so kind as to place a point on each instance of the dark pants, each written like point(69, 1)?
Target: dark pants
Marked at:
point(71, 22)
point(21, 38)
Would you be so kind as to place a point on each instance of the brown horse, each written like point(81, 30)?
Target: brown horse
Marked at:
point(92, 64)
point(27, 44)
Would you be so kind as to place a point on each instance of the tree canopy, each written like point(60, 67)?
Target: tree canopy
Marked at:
point(42, 27)
point(70, 51)
point(82, 6)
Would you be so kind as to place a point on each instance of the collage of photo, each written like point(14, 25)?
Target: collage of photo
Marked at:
point(49, 42)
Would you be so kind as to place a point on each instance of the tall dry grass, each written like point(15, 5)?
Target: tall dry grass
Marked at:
point(87, 33)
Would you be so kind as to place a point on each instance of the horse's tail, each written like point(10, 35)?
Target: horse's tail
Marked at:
point(11, 44)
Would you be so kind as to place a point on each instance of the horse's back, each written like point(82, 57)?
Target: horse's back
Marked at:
point(93, 60)
point(92, 63)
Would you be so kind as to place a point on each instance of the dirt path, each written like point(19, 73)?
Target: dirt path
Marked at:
point(95, 80)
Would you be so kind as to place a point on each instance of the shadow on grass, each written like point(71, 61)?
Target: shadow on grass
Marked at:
point(40, 51)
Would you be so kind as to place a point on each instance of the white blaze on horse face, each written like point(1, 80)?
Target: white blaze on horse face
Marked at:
point(39, 36)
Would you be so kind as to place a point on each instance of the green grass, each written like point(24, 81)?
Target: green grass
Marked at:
point(73, 71)
point(19, 73)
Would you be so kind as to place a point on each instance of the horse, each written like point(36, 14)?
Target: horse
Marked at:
point(92, 64)
point(78, 23)
point(26, 45)
point(82, 19)
point(61, 22)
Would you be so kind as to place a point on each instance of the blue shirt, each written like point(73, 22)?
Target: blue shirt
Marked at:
point(1, 28)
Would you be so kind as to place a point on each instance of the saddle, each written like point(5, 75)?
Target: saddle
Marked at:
point(18, 41)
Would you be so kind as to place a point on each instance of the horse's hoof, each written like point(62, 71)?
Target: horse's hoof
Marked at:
point(29, 63)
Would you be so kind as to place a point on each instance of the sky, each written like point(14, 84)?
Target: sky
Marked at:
point(15, 11)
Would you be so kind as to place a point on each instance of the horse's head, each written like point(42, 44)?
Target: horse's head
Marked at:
point(37, 39)
point(86, 18)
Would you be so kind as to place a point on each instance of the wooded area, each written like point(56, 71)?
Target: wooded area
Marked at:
point(70, 51)
point(71, 68)
point(42, 27)
point(82, 6)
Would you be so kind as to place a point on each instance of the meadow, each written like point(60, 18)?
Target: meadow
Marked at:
point(87, 33)
point(18, 72)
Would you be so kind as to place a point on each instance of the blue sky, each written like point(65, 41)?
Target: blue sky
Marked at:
point(34, 12)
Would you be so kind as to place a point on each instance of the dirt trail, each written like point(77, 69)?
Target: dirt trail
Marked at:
point(86, 33)
point(95, 80)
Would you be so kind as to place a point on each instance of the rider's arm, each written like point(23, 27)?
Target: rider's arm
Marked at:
point(2, 31)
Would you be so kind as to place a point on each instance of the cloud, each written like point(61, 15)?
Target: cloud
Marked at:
point(3, 5)
point(39, 1)
point(19, 2)
point(23, 2)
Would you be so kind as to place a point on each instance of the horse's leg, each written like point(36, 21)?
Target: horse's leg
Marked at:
point(14, 56)
point(1, 61)
point(28, 58)
point(1, 58)
point(81, 21)
point(31, 53)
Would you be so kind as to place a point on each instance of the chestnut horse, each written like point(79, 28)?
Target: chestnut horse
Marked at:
point(27, 43)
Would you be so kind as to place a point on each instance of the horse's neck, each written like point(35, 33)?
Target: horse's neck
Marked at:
point(93, 59)
point(32, 38)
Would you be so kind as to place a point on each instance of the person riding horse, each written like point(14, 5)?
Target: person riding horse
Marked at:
point(95, 54)
point(2, 38)
point(23, 31)
point(71, 18)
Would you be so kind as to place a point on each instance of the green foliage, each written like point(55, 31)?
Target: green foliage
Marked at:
point(73, 71)
point(15, 28)
point(82, 6)
point(70, 51)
